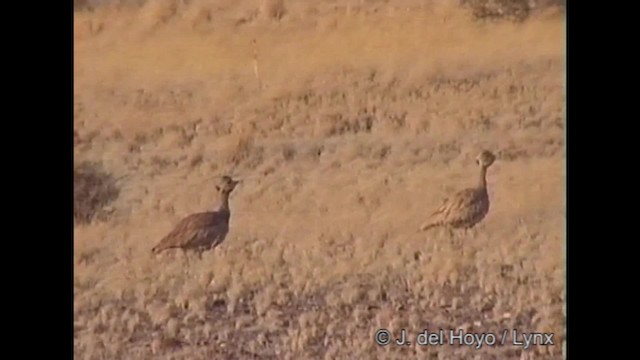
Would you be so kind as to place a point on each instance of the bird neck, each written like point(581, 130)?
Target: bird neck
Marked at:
point(482, 183)
point(224, 202)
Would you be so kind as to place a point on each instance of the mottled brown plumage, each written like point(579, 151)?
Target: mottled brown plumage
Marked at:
point(467, 207)
point(202, 231)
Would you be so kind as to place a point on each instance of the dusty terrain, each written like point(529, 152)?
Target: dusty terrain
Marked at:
point(360, 118)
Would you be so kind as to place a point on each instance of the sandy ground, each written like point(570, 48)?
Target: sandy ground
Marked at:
point(360, 119)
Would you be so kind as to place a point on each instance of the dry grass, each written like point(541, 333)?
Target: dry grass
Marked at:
point(93, 191)
point(272, 9)
point(367, 116)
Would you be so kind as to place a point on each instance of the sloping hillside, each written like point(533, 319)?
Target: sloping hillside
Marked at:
point(353, 122)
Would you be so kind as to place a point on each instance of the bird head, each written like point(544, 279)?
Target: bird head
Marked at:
point(226, 184)
point(485, 158)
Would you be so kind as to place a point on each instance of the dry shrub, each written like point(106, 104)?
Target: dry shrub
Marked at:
point(80, 4)
point(93, 190)
point(272, 9)
point(244, 150)
point(517, 10)
point(159, 12)
point(288, 152)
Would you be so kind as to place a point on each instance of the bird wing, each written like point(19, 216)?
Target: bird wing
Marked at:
point(189, 228)
point(454, 204)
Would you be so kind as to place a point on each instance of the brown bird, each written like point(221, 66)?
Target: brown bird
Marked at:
point(202, 231)
point(468, 207)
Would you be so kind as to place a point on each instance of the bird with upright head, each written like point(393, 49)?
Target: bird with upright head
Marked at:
point(202, 231)
point(467, 207)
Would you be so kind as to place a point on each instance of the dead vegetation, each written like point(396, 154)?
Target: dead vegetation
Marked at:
point(369, 113)
point(514, 10)
point(93, 190)
point(272, 9)
point(517, 10)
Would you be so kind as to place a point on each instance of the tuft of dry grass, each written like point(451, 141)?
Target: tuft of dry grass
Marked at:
point(516, 10)
point(93, 190)
point(243, 150)
point(80, 4)
point(272, 9)
point(158, 12)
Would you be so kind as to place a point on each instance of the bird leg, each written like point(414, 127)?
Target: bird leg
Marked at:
point(452, 236)
point(186, 258)
point(457, 239)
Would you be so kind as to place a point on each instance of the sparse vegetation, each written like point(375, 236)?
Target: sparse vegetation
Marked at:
point(272, 9)
point(369, 113)
point(490, 9)
point(93, 191)
point(518, 10)
point(80, 4)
